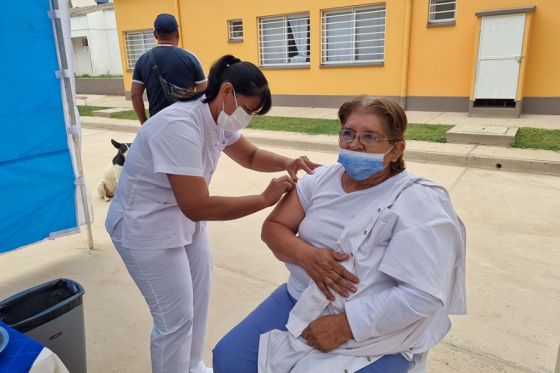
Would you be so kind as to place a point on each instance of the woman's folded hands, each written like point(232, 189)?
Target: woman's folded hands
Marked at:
point(323, 266)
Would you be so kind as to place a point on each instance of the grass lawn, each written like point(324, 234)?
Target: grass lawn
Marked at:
point(422, 132)
point(128, 115)
point(537, 138)
point(303, 125)
point(87, 110)
point(533, 138)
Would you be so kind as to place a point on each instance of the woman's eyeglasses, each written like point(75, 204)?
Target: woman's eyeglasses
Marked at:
point(365, 138)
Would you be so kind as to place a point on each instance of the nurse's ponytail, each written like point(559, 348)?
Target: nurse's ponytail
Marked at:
point(246, 78)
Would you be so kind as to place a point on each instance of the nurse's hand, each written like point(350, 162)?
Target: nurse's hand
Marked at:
point(323, 266)
point(276, 189)
point(328, 332)
point(300, 163)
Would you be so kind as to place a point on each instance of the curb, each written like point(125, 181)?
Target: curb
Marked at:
point(123, 125)
point(464, 155)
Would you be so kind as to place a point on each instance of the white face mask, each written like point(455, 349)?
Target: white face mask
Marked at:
point(238, 120)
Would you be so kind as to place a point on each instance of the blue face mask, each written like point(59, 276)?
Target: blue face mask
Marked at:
point(359, 165)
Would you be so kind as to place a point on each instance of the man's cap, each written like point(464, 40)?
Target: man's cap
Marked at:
point(165, 23)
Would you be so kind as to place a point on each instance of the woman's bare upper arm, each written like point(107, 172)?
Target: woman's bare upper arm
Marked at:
point(288, 212)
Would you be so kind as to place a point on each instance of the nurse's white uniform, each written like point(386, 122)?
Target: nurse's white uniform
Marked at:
point(168, 255)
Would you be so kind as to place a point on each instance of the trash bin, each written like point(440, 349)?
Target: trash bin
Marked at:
point(51, 313)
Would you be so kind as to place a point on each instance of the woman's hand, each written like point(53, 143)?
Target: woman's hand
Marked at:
point(301, 163)
point(328, 332)
point(276, 189)
point(322, 265)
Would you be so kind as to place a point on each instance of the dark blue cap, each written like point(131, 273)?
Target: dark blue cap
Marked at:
point(165, 23)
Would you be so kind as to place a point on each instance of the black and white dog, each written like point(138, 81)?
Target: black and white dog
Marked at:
point(108, 184)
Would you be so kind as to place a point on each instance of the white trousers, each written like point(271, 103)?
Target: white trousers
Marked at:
point(176, 285)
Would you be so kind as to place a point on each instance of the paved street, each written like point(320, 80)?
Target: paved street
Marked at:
point(513, 267)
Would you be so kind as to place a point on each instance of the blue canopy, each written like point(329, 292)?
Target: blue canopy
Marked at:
point(37, 174)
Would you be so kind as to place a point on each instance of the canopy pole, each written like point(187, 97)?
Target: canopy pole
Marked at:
point(70, 106)
point(557, 370)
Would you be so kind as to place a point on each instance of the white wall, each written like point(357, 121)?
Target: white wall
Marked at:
point(100, 29)
point(80, 3)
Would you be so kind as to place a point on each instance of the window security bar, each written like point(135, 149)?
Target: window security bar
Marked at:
point(357, 28)
point(351, 54)
point(345, 23)
point(362, 47)
point(442, 11)
point(436, 4)
point(136, 43)
point(356, 35)
point(356, 61)
point(235, 30)
point(276, 48)
point(343, 13)
point(284, 40)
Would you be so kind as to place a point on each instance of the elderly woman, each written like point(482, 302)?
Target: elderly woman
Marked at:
point(376, 258)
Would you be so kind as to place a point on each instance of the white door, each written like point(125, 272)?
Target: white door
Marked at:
point(499, 56)
point(82, 56)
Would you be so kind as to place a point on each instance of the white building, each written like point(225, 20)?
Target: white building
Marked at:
point(94, 38)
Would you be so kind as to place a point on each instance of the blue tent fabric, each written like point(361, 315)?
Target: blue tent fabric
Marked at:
point(37, 180)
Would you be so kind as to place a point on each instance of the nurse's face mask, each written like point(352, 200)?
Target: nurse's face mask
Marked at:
point(238, 120)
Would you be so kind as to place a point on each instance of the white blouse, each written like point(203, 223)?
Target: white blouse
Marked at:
point(182, 139)
point(408, 250)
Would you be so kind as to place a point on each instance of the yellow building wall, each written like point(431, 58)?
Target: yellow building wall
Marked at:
point(441, 59)
point(315, 80)
point(543, 55)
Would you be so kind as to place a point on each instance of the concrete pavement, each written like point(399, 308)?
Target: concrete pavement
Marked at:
point(512, 268)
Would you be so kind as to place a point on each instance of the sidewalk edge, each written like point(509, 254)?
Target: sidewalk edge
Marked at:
point(499, 163)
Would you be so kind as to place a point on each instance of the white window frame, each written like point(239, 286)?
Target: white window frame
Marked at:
point(328, 19)
point(234, 35)
point(435, 10)
point(284, 51)
point(137, 43)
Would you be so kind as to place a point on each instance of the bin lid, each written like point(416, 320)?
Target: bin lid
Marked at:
point(40, 304)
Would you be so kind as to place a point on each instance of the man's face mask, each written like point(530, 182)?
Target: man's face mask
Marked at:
point(361, 166)
point(238, 120)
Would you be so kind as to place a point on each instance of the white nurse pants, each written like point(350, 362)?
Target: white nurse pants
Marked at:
point(176, 285)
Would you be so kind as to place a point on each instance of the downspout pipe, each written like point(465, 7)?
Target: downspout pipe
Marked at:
point(180, 21)
point(406, 52)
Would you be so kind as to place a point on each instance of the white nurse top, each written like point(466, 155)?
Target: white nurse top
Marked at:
point(182, 139)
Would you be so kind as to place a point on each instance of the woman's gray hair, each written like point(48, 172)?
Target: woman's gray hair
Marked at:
point(390, 113)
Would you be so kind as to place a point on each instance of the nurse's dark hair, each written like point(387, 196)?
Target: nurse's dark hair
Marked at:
point(390, 113)
point(246, 78)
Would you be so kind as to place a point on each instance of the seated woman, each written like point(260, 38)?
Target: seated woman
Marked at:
point(387, 243)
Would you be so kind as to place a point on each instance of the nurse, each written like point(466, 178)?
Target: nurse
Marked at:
point(157, 218)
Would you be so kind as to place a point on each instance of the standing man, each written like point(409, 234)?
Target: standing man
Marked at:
point(166, 72)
